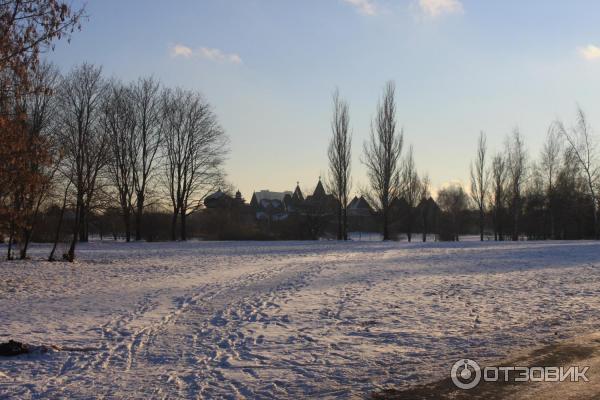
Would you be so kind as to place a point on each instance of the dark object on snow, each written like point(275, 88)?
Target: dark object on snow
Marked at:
point(12, 348)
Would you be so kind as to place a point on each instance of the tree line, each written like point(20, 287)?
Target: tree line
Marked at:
point(90, 142)
point(86, 145)
point(391, 174)
point(107, 142)
point(553, 196)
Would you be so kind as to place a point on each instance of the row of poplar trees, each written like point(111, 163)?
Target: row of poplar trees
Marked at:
point(391, 175)
point(552, 197)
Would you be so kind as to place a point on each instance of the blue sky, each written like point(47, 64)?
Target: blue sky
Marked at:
point(269, 68)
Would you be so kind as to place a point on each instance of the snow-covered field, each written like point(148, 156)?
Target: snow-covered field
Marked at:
point(285, 319)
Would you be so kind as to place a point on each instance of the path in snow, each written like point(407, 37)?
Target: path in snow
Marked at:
point(284, 320)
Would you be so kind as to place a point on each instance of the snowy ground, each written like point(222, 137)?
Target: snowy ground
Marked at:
point(285, 319)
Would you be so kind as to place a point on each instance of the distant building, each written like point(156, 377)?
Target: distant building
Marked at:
point(361, 216)
point(270, 205)
point(294, 203)
point(220, 199)
point(320, 203)
point(279, 205)
point(359, 207)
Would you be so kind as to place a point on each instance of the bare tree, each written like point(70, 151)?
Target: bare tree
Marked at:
point(517, 170)
point(339, 154)
point(119, 124)
point(382, 157)
point(40, 144)
point(82, 140)
point(583, 147)
point(411, 189)
point(498, 175)
point(147, 140)
point(550, 167)
point(480, 181)
point(195, 147)
point(453, 201)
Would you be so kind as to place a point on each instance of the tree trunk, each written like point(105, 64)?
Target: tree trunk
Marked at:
point(500, 226)
point(495, 217)
point(86, 225)
point(481, 221)
point(424, 215)
point(127, 222)
point(174, 225)
point(126, 210)
point(138, 216)
point(386, 235)
point(409, 227)
point(339, 221)
point(25, 244)
point(70, 256)
point(11, 238)
point(183, 228)
point(59, 226)
point(345, 223)
point(515, 235)
point(595, 223)
point(81, 226)
point(552, 225)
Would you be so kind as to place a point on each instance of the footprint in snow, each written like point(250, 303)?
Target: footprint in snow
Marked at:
point(218, 320)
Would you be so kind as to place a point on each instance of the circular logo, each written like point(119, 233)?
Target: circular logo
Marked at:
point(465, 374)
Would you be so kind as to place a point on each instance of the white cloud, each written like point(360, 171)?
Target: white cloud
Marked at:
point(436, 8)
point(208, 53)
point(590, 52)
point(180, 50)
point(365, 7)
point(218, 55)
